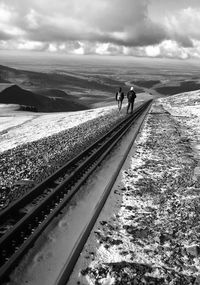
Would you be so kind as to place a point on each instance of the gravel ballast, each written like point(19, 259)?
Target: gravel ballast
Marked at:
point(28, 164)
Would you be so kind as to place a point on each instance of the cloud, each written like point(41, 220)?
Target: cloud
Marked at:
point(5, 13)
point(183, 26)
point(8, 29)
point(166, 49)
point(98, 20)
point(99, 27)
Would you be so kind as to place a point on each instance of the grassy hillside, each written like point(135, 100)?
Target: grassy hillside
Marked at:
point(58, 80)
point(16, 95)
point(186, 86)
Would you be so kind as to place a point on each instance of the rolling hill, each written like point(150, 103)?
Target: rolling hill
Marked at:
point(57, 103)
point(56, 79)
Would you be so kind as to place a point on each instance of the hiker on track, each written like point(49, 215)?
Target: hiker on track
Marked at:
point(131, 95)
point(119, 98)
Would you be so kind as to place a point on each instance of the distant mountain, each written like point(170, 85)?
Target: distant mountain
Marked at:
point(57, 79)
point(16, 95)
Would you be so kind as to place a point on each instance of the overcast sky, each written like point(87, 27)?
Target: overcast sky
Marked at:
point(153, 28)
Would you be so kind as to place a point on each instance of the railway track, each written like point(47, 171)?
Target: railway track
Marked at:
point(25, 219)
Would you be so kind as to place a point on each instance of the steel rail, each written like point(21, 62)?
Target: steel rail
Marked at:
point(26, 231)
point(70, 263)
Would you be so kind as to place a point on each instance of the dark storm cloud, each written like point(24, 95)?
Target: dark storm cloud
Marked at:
point(120, 22)
point(5, 36)
point(184, 41)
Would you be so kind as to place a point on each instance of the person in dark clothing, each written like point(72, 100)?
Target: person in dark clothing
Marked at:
point(119, 98)
point(131, 95)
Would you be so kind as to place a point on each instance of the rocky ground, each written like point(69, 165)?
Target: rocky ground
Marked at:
point(152, 236)
point(24, 166)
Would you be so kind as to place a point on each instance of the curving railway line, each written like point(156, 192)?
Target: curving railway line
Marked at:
point(24, 220)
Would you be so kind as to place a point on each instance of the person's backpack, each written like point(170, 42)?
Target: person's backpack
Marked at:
point(131, 95)
point(119, 96)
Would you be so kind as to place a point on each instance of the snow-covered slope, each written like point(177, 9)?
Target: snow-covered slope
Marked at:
point(18, 127)
point(183, 104)
point(41, 143)
point(22, 127)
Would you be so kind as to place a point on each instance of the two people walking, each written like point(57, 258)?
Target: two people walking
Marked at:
point(131, 95)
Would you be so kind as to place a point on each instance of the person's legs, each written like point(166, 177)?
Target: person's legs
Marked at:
point(120, 105)
point(128, 107)
point(118, 102)
point(132, 103)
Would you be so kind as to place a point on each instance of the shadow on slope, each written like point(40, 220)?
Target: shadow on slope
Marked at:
point(41, 103)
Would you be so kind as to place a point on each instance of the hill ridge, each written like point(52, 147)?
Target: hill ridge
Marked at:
point(14, 94)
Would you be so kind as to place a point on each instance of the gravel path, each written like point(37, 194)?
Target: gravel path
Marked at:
point(28, 164)
point(152, 235)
